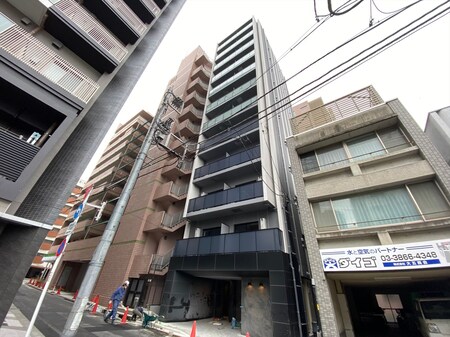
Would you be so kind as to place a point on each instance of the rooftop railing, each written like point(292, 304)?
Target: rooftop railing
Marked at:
point(46, 62)
point(151, 6)
point(341, 108)
point(93, 28)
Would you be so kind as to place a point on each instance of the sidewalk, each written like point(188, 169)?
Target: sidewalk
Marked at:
point(16, 324)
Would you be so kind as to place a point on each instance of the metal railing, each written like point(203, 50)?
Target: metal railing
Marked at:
point(236, 92)
point(232, 66)
point(234, 44)
point(90, 26)
point(179, 190)
point(171, 220)
point(128, 15)
point(341, 108)
point(229, 57)
point(159, 262)
point(228, 41)
point(46, 62)
point(151, 6)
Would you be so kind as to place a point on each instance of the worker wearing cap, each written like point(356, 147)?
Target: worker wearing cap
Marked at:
point(116, 299)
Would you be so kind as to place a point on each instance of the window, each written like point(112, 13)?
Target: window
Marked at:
point(246, 227)
point(211, 231)
point(409, 203)
point(355, 149)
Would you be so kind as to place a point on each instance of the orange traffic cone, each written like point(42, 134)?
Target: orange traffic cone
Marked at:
point(75, 295)
point(124, 317)
point(109, 305)
point(94, 308)
point(59, 291)
point(247, 334)
point(194, 329)
point(29, 281)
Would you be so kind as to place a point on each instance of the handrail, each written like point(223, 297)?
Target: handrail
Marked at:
point(90, 26)
point(128, 15)
point(29, 50)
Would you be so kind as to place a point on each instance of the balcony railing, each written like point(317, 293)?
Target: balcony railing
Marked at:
point(241, 107)
point(91, 27)
point(232, 195)
point(341, 108)
point(267, 240)
point(236, 92)
point(233, 78)
point(234, 132)
point(229, 57)
point(233, 45)
point(233, 160)
point(171, 220)
point(128, 15)
point(46, 62)
point(227, 42)
point(159, 262)
point(230, 67)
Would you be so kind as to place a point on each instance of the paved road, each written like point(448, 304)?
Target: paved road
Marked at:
point(54, 311)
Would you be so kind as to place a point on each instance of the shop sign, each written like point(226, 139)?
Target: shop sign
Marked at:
point(418, 255)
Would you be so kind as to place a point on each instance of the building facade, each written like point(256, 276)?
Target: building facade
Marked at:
point(437, 129)
point(373, 195)
point(153, 219)
point(67, 67)
point(239, 255)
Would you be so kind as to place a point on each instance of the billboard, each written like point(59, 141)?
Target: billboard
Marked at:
point(416, 255)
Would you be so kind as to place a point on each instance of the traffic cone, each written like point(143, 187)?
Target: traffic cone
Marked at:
point(247, 334)
point(59, 291)
point(29, 281)
point(75, 295)
point(194, 329)
point(109, 306)
point(124, 317)
point(94, 308)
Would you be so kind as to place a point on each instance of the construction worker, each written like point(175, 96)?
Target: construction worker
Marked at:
point(116, 299)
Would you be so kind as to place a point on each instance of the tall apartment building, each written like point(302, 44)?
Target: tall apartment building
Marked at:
point(66, 69)
point(437, 129)
point(238, 257)
point(153, 219)
point(41, 264)
point(373, 195)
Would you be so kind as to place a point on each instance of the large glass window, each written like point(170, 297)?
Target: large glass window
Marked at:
point(409, 203)
point(355, 149)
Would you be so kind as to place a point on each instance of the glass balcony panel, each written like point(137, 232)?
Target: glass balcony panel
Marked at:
point(231, 56)
point(233, 78)
point(232, 243)
point(204, 246)
point(199, 203)
point(181, 248)
point(209, 202)
point(230, 39)
point(247, 242)
point(192, 246)
point(221, 198)
point(246, 192)
point(234, 45)
point(266, 241)
point(233, 66)
point(217, 244)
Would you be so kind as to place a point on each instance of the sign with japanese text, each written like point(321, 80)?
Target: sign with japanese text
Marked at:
point(418, 255)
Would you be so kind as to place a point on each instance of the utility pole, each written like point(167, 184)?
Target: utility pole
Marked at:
point(95, 265)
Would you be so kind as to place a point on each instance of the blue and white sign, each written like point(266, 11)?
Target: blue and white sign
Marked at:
point(419, 255)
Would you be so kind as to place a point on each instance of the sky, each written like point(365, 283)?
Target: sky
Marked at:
point(416, 70)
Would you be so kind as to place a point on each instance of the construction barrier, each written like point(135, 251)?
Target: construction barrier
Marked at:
point(95, 300)
point(124, 317)
point(194, 329)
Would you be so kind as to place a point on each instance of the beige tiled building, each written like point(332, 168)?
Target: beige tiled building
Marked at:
point(373, 197)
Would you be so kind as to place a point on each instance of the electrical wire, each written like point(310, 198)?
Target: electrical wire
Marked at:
point(330, 9)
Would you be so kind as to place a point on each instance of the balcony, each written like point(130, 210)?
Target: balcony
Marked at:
point(171, 192)
point(165, 221)
point(229, 72)
point(244, 91)
point(341, 108)
point(238, 164)
point(84, 35)
point(146, 10)
point(222, 139)
point(177, 169)
point(229, 50)
point(19, 44)
point(196, 100)
point(192, 113)
point(248, 197)
point(118, 18)
point(201, 72)
point(267, 240)
point(232, 117)
point(235, 56)
point(188, 129)
point(237, 79)
point(234, 36)
point(199, 86)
